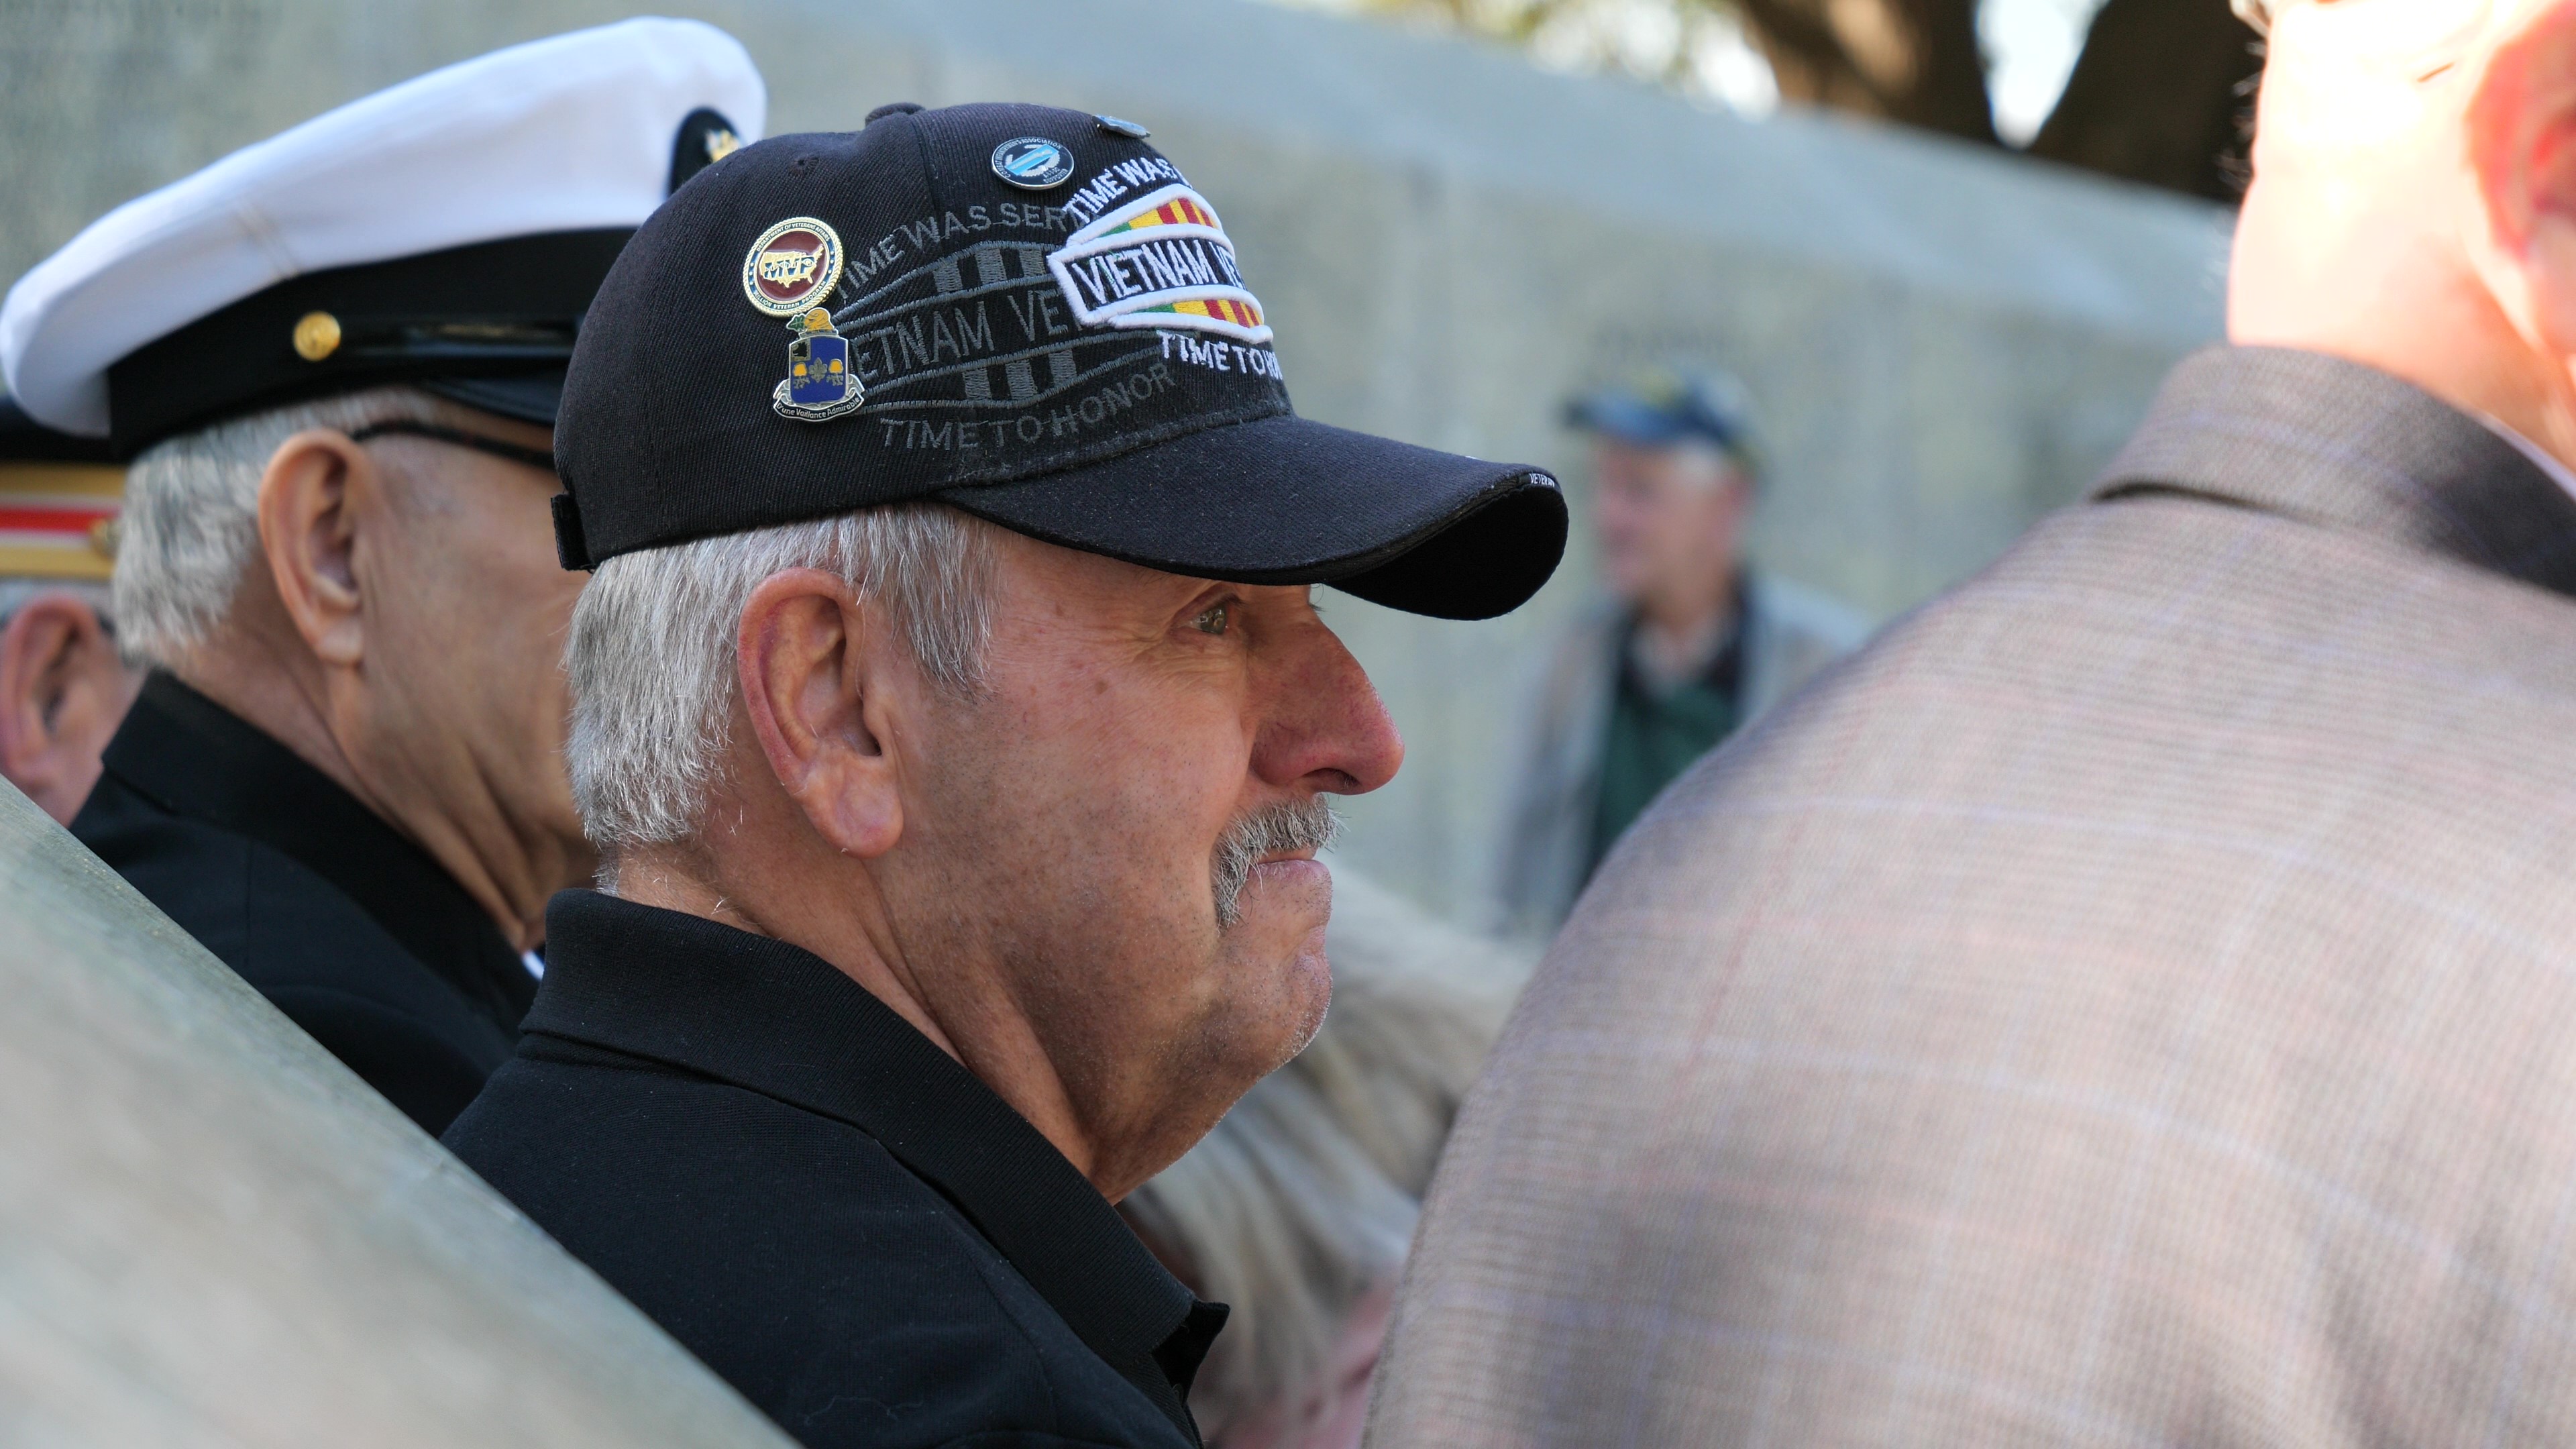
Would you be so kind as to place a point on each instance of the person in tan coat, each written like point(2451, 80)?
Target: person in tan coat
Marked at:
point(2134, 1000)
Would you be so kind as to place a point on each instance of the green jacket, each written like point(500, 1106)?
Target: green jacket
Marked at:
point(1790, 633)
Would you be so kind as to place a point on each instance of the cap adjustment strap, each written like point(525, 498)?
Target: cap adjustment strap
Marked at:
point(571, 549)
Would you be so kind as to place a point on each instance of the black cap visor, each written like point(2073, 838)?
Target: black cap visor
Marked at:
point(1287, 501)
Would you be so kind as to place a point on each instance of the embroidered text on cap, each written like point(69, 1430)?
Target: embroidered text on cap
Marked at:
point(792, 266)
point(1033, 163)
point(1161, 261)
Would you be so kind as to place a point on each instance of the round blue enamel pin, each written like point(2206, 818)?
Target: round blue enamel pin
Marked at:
point(1033, 163)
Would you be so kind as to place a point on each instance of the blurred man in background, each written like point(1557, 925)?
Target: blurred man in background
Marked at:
point(344, 776)
point(1296, 1211)
point(1691, 644)
point(63, 688)
point(2131, 1003)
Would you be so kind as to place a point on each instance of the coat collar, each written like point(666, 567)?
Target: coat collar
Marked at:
point(199, 761)
point(779, 1020)
point(2339, 444)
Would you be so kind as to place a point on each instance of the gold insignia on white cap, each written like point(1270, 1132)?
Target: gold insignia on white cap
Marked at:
point(317, 336)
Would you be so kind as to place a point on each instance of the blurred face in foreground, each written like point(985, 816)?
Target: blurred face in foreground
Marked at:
point(1092, 880)
point(2414, 200)
point(1670, 521)
point(63, 692)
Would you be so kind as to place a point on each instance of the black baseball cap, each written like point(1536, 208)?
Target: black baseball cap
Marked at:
point(1023, 312)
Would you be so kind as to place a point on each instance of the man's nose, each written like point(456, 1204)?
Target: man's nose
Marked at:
point(1324, 725)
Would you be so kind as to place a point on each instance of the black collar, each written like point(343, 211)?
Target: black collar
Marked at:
point(195, 759)
point(2336, 443)
point(1724, 671)
point(781, 1021)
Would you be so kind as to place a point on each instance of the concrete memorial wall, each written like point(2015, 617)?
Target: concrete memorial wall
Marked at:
point(1942, 342)
point(213, 1233)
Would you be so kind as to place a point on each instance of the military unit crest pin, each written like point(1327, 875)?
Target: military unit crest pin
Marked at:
point(790, 272)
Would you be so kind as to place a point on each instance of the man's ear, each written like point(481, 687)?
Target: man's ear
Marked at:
point(63, 691)
point(2522, 152)
point(817, 706)
point(316, 496)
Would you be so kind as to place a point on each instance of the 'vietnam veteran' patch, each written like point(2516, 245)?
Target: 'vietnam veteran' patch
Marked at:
point(1161, 261)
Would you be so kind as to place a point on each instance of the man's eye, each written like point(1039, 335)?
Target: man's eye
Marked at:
point(1214, 620)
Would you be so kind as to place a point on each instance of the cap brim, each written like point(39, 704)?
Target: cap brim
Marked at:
point(1287, 501)
point(528, 397)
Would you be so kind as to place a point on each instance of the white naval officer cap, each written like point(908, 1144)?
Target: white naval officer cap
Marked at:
point(447, 232)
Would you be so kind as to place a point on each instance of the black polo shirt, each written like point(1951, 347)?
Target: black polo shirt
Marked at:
point(338, 919)
point(840, 1219)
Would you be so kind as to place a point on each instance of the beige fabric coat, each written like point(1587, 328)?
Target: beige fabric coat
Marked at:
point(2131, 1003)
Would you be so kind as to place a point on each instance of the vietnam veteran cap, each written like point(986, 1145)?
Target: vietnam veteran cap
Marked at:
point(447, 232)
point(1029, 314)
point(59, 498)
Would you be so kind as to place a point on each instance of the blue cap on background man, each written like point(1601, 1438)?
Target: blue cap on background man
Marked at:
point(1663, 407)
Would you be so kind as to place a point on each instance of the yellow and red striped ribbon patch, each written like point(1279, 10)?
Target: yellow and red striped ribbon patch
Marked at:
point(1179, 211)
point(57, 520)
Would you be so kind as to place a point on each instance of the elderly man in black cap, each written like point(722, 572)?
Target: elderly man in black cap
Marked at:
point(1689, 646)
point(952, 713)
point(335, 357)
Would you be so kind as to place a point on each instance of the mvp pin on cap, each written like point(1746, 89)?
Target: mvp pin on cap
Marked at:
point(1029, 314)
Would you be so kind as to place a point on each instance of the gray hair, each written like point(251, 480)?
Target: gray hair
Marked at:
point(1301, 1202)
point(189, 532)
point(652, 655)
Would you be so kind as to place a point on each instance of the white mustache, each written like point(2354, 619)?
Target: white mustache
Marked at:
point(1271, 830)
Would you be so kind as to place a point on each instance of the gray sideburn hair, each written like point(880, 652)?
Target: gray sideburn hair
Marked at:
point(652, 655)
point(189, 532)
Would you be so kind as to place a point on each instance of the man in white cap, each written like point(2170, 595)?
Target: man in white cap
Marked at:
point(63, 688)
point(334, 358)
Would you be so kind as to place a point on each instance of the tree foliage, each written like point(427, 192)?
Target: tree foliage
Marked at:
point(2160, 94)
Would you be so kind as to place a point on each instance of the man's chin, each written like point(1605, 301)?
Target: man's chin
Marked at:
point(1276, 946)
point(1281, 904)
